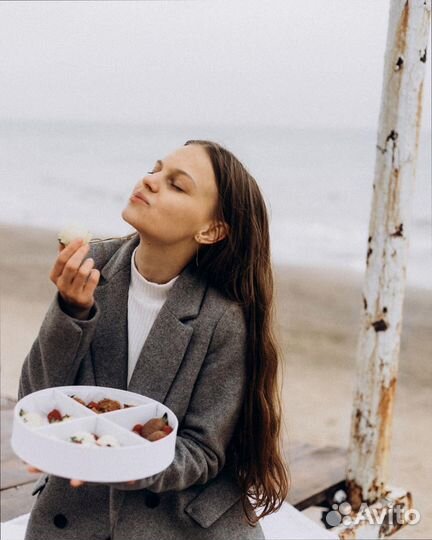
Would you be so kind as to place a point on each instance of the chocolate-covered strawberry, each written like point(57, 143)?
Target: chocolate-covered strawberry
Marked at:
point(154, 429)
point(108, 405)
point(154, 424)
point(93, 406)
point(103, 405)
point(156, 435)
point(137, 429)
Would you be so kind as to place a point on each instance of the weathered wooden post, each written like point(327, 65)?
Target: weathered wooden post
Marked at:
point(387, 250)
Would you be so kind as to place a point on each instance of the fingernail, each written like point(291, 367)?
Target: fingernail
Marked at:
point(76, 483)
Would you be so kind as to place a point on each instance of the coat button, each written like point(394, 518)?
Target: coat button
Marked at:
point(60, 521)
point(152, 499)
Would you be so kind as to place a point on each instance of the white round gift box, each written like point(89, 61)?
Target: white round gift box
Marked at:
point(48, 447)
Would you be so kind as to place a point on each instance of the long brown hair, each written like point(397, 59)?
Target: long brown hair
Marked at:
point(240, 267)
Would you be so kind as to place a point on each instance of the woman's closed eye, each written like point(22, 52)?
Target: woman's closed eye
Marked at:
point(177, 188)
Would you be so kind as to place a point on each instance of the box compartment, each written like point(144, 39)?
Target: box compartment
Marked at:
point(45, 401)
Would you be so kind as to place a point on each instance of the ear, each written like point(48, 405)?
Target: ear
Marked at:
point(215, 233)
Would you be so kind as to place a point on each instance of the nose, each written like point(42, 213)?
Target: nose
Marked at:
point(151, 182)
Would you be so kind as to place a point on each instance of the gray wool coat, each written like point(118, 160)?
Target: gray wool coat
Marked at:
point(193, 361)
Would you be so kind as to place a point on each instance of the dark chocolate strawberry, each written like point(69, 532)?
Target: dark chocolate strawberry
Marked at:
point(108, 405)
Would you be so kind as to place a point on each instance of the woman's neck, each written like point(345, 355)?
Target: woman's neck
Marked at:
point(160, 264)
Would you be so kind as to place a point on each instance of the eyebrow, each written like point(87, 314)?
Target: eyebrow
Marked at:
point(178, 171)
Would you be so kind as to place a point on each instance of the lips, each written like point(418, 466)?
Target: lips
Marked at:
point(141, 197)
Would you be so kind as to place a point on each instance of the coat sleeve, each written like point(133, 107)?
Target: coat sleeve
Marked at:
point(63, 341)
point(213, 411)
point(56, 354)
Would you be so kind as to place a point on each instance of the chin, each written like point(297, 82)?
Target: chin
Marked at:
point(124, 216)
point(127, 216)
point(137, 224)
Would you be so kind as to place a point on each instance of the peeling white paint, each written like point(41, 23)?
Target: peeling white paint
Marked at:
point(387, 248)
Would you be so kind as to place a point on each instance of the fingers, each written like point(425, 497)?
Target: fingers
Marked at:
point(62, 259)
point(79, 279)
point(32, 469)
point(72, 265)
point(91, 283)
point(74, 276)
point(76, 483)
point(73, 482)
point(79, 291)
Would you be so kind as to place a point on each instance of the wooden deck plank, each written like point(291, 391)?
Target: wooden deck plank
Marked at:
point(314, 472)
point(16, 501)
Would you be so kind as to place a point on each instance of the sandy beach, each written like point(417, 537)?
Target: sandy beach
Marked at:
point(317, 325)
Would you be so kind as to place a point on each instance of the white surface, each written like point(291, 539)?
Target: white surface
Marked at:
point(15, 528)
point(291, 524)
point(48, 448)
point(286, 524)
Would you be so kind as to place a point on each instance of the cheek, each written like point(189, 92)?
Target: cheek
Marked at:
point(183, 217)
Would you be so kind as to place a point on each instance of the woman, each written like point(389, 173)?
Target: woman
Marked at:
point(179, 311)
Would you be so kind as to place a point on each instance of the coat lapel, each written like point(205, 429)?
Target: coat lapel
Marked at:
point(110, 346)
point(166, 344)
point(169, 337)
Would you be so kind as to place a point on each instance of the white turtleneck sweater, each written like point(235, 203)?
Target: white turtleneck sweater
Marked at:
point(144, 303)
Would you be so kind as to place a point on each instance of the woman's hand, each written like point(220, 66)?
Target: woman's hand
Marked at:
point(76, 280)
point(73, 482)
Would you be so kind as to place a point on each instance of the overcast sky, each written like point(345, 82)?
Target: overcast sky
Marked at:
point(292, 62)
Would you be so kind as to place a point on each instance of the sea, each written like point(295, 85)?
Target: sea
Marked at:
point(317, 183)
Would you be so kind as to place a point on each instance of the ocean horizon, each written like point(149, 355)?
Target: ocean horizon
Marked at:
point(317, 183)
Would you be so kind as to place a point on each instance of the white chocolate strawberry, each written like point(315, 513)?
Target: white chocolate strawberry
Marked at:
point(83, 437)
point(108, 440)
point(71, 232)
point(32, 419)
